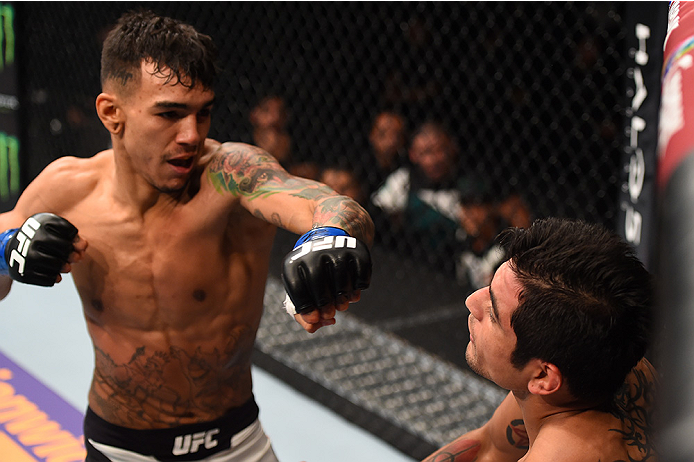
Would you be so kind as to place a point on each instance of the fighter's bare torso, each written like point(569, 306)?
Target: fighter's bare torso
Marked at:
point(172, 295)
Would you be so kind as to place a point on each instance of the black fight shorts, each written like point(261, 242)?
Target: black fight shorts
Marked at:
point(184, 443)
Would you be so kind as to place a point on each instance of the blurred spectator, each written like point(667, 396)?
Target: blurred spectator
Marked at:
point(310, 170)
point(483, 215)
point(513, 211)
point(387, 139)
point(414, 83)
point(452, 218)
point(269, 121)
point(479, 219)
point(422, 202)
point(344, 181)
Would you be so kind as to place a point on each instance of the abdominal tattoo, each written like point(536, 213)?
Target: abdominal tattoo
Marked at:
point(173, 382)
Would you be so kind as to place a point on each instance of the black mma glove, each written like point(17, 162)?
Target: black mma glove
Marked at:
point(326, 263)
point(35, 253)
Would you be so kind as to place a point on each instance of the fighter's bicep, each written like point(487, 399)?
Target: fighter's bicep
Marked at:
point(287, 201)
point(293, 206)
point(251, 173)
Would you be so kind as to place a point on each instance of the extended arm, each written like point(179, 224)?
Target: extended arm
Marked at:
point(322, 278)
point(269, 192)
point(501, 439)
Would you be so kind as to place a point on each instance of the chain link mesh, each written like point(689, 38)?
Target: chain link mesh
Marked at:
point(531, 93)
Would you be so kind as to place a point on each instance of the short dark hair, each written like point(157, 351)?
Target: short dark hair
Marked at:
point(142, 35)
point(585, 304)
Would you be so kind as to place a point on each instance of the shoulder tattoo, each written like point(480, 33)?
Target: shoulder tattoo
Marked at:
point(248, 171)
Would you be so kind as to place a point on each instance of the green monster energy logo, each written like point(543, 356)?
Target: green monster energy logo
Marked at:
point(7, 35)
point(9, 166)
point(9, 145)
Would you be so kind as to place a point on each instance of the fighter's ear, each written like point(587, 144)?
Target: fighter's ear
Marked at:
point(546, 380)
point(109, 111)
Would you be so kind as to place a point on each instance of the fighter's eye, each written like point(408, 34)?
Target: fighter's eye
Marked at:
point(168, 115)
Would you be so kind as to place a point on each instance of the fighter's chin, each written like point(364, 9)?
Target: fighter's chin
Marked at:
point(174, 188)
point(470, 357)
point(171, 190)
point(471, 360)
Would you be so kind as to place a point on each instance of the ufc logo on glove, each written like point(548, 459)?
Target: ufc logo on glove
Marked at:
point(24, 237)
point(35, 253)
point(329, 242)
point(326, 264)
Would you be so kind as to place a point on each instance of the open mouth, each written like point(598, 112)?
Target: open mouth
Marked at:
point(182, 163)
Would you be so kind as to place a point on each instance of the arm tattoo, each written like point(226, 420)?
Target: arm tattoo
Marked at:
point(275, 219)
point(458, 451)
point(345, 214)
point(245, 171)
point(249, 172)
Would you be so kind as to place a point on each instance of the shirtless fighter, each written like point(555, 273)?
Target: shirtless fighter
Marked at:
point(172, 253)
point(564, 326)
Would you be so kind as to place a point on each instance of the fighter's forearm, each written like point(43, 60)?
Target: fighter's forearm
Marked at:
point(249, 173)
point(345, 213)
point(463, 449)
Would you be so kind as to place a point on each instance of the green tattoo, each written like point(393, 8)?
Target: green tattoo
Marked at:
point(250, 173)
point(242, 172)
point(247, 171)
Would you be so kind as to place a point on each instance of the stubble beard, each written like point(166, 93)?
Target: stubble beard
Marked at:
point(473, 362)
point(170, 190)
point(173, 191)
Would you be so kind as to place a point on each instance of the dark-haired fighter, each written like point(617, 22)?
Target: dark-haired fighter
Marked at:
point(179, 230)
point(564, 325)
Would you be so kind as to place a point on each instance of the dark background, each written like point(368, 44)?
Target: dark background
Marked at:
point(534, 93)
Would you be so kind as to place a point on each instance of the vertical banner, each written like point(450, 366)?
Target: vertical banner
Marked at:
point(645, 25)
point(9, 111)
point(675, 273)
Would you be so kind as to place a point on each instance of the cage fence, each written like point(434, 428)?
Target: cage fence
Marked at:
point(527, 101)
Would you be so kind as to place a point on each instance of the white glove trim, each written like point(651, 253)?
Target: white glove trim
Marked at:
point(289, 306)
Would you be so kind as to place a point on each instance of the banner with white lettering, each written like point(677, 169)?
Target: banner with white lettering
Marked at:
point(645, 25)
point(10, 183)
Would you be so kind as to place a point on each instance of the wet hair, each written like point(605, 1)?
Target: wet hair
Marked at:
point(179, 52)
point(585, 304)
